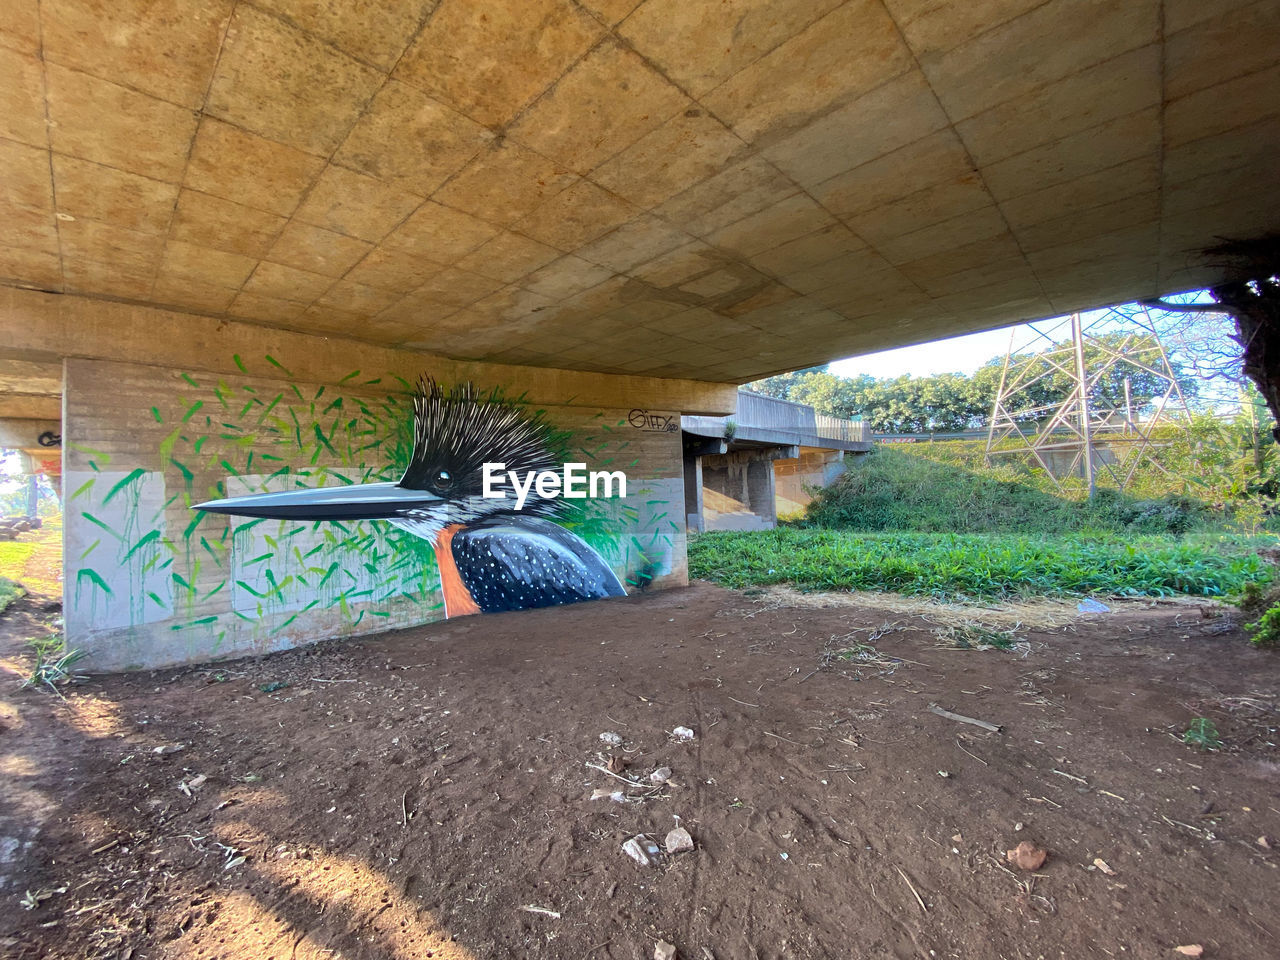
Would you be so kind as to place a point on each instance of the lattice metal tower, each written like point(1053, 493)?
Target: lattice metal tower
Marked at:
point(1102, 430)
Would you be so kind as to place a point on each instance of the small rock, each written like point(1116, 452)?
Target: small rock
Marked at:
point(612, 739)
point(661, 775)
point(944, 774)
point(1027, 856)
point(1264, 842)
point(664, 951)
point(679, 840)
point(957, 838)
point(1190, 950)
point(1103, 866)
point(634, 848)
point(683, 733)
point(1017, 827)
point(1090, 605)
point(189, 786)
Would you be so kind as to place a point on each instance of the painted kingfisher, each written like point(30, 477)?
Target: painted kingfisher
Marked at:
point(491, 557)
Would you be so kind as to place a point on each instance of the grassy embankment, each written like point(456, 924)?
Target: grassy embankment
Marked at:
point(903, 522)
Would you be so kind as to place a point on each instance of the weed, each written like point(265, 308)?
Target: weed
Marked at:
point(859, 652)
point(53, 664)
point(1203, 734)
point(976, 636)
point(1261, 601)
point(1265, 631)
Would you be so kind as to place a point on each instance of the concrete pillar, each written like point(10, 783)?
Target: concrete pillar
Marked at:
point(760, 490)
point(693, 493)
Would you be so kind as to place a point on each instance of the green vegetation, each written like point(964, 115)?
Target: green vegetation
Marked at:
point(1261, 603)
point(1203, 734)
point(1265, 631)
point(975, 565)
point(908, 489)
point(53, 664)
point(9, 592)
point(934, 520)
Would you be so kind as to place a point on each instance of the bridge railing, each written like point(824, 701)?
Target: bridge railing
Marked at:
point(837, 428)
point(800, 420)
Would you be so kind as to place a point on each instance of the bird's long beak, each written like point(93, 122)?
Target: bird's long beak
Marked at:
point(368, 501)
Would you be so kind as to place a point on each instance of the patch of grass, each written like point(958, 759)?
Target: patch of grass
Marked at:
point(972, 565)
point(976, 636)
point(35, 561)
point(14, 555)
point(1202, 733)
point(9, 592)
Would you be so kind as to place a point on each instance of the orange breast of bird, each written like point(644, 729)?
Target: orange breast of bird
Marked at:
point(457, 598)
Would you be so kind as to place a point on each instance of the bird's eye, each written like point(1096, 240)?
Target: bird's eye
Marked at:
point(444, 479)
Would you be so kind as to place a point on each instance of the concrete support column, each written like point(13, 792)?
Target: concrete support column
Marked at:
point(760, 490)
point(693, 493)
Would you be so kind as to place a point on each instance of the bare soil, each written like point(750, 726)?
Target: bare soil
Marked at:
point(411, 794)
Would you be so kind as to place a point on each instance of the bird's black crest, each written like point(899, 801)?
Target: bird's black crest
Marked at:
point(459, 430)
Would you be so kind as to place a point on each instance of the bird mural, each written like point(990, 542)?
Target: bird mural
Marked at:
point(491, 556)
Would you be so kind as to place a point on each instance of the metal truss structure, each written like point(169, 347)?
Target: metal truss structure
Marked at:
point(1087, 434)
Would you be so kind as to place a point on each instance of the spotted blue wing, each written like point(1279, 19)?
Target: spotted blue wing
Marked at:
point(516, 564)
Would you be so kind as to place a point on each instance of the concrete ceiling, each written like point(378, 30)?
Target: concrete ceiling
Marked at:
point(715, 189)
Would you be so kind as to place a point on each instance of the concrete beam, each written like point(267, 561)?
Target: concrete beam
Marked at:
point(25, 376)
point(24, 434)
point(41, 327)
point(705, 447)
point(26, 406)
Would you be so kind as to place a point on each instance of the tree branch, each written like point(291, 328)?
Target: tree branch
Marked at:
point(1158, 304)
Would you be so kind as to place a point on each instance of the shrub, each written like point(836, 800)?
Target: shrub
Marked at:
point(1265, 631)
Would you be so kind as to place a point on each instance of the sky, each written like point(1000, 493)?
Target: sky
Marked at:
point(957, 355)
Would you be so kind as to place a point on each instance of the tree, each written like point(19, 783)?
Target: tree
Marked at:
point(1252, 300)
point(780, 386)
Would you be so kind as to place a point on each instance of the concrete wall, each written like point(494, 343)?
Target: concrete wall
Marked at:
point(753, 489)
point(151, 582)
point(814, 467)
point(738, 491)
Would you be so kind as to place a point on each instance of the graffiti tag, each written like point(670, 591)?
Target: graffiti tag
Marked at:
point(656, 422)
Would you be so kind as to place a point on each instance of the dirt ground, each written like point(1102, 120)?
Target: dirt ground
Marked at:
point(415, 794)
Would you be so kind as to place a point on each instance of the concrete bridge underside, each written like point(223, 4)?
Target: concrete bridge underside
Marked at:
point(665, 188)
